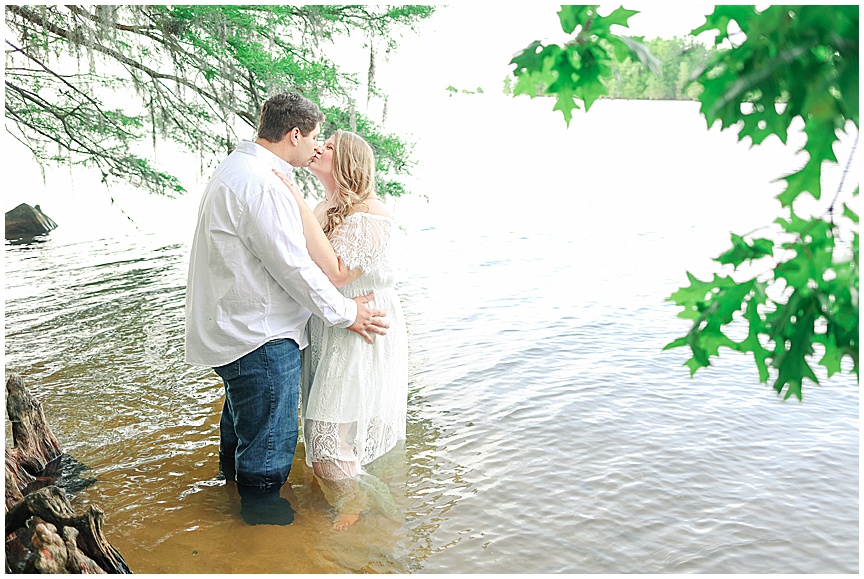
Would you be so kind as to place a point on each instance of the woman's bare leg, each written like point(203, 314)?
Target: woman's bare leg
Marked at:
point(338, 479)
point(342, 492)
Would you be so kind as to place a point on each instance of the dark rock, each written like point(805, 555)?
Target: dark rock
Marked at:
point(66, 472)
point(25, 221)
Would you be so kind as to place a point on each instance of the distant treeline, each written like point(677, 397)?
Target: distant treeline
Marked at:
point(679, 60)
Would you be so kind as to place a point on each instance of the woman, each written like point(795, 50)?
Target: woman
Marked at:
point(354, 395)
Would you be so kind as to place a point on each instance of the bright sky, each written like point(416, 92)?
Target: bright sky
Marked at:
point(465, 44)
point(469, 44)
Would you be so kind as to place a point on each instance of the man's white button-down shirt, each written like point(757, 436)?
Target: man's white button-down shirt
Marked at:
point(251, 279)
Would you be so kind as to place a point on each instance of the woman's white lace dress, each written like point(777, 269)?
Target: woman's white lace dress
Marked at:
point(354, 394)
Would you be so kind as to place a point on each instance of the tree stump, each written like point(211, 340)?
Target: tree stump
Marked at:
point(35, 444)
point(44, 516)
point(25, 221)
point(43, 533)
point(16, 479)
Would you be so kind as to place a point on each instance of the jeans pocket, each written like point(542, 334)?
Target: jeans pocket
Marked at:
point(228, 372)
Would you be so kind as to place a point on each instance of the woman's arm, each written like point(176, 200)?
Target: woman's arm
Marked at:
point(317, 244)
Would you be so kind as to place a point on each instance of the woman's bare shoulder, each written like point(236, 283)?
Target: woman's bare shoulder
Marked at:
point(320, 209)
point(378, 207)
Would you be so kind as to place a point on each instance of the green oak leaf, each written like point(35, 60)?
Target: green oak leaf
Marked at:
point(848, 83)
point(799, 182)
point(729, 299)
point(572, 16)
point(529, 58)
point(590, 90)
point(676, 343)
point(565, 103)
point(792, 364)
point(712, 339)
point(742, 251)
point(752, 343)
point(744, 80)
point(764, 122)
point(791, 65)
point(721, 17)
point(794, 224)
point(833, 356)
point(619, 16)
point(763, 246)
point(697, 291)
point(811, 259)
point(567, 71)
point(694, 364)
point(821, 136)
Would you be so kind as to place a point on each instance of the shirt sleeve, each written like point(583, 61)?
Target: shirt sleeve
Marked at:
point(272, 229)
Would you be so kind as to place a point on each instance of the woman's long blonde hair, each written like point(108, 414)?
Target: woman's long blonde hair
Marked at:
point(354, 173)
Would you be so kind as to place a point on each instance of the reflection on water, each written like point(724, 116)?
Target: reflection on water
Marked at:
point(96, 329)
point(547, 430)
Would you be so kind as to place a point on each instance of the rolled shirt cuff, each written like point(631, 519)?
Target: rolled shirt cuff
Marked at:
point(350, 312)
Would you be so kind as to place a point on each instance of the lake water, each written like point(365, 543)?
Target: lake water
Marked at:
point(547, 430)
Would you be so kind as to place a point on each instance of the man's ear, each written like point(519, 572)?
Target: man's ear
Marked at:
point(295, 135)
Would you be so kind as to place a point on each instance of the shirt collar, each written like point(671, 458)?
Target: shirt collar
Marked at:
point(256, 150)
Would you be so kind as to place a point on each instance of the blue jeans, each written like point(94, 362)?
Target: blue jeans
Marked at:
point(258, 429)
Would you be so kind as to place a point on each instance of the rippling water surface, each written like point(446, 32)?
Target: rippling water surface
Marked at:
point(548, 431)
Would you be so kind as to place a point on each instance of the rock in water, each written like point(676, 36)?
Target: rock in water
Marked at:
point(26, 221)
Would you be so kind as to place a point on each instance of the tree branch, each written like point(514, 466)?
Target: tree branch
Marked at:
point(67, 35)
point(141, 30)
point(75, 89)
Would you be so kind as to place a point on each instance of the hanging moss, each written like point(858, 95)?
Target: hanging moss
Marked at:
point(186, 73)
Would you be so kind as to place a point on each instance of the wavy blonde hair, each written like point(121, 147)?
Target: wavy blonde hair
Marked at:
point(354, 173)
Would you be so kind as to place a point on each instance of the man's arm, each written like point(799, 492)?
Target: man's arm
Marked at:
point(317, 244)
point(273, 230)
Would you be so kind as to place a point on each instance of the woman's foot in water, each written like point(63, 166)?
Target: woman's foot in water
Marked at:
point(345, 520)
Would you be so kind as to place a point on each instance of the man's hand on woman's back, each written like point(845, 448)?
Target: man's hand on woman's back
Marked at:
point(368, 320)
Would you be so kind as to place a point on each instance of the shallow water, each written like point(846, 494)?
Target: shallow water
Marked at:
point(547, 431)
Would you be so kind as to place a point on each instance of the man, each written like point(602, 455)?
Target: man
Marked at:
point(251, 289)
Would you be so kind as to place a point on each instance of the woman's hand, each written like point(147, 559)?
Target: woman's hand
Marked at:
point(323, 255)
point(291, 186)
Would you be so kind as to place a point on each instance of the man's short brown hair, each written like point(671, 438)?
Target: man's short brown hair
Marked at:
point(283, 112)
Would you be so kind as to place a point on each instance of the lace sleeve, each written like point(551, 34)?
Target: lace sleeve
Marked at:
point(363, 240)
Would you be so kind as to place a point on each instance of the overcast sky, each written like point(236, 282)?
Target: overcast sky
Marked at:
point(465, 44)
point(470, 44)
